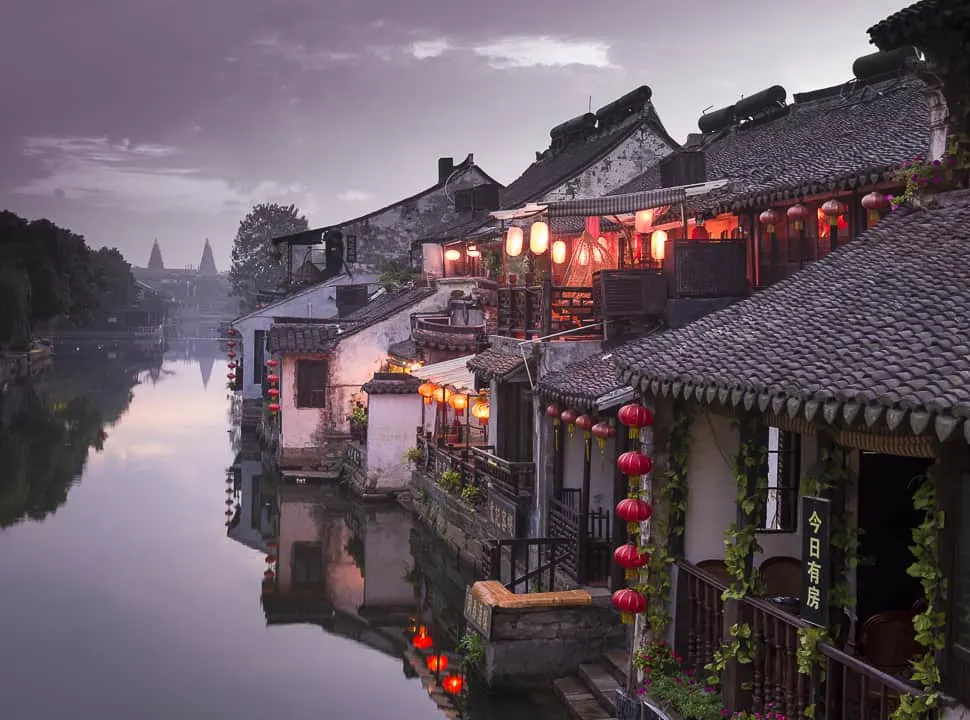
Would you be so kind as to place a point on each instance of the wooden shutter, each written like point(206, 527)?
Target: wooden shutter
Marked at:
point(311, 383)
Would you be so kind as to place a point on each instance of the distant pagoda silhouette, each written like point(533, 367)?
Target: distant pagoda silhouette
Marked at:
point(155, 259)
point(207, 265)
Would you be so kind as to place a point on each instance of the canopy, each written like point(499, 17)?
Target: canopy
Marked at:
point(449, 373)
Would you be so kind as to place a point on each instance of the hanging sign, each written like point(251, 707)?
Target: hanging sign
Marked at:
point(816, 560)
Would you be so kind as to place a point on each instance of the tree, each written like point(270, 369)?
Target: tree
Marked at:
point(254, 268)
point(113, 278)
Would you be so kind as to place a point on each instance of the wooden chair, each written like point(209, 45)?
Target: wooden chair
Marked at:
point(781, 577)
point(716, 568)
point(888, 641)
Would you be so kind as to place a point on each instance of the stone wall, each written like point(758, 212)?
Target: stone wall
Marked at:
point(460, 527)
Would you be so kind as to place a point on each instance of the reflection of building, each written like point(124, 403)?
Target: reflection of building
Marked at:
point(201, 350)
point(255, 523)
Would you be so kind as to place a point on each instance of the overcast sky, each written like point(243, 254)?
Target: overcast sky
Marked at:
point(127, 120)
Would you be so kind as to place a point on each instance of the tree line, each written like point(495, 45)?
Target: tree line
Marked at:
point(48, 272)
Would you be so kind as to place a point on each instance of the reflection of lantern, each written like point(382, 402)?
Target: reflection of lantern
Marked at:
point(552, 411)
point(798, 214)
point(769, 218)
point(459, 401)
point(539, 237)
point(231, 343)
point(629, 603)
point(568, 418)
point(231, 365)
point(231, 331)
point(642, 221)
point(452, 255)
point(273, 393)
point(832, 209)
point(453, 684)
point(513, 241)
point(422, 641)
point(629, 557)
point(481, 411)
point(269, 574)
point(229, 501)
point(658, 245)
point(633, 464)
point(437, 663)
point(602, 431)
point(633, 511)
point(635, 417)
point(442, 395)
point(874, 203)
point(559, 252)
point(426, 391)
point(231, 376)
point(271, 544)
point(270, 559)
point(231, 354)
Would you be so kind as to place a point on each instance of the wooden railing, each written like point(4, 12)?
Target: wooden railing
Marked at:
point(777, 683)
point(588, 557)
point(700, 616)
point(524, 564)
point(355, 454)
point(546, 309)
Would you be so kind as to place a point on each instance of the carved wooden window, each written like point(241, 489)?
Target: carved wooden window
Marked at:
point(311, 383)
point(781, 476)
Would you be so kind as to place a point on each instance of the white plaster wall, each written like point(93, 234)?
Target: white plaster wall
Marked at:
point(352, 363)
point(642, 150)
point(432, 259)
point(712, 497)
point(387, 559)
point(391, 424)
point(600, 468)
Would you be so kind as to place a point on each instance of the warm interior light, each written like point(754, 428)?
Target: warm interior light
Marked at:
point(480, 410)
point(459, 401)
point(559, 252)
point(539, 238)
point(658, 244)
point(473, 251)
point(643, 220)
point(442, 395)
point(452, 255)
point(513, 241)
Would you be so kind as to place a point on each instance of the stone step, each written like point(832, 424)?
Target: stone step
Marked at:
point(602, 684)
point(579, 700)
point(616, 662)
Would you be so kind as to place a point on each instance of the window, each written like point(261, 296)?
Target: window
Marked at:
point(307, 564)
point(259, 357)
point(311, 383)
point(782, 470)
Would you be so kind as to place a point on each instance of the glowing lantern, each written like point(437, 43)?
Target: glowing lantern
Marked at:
point(442, 395)
point(568, 418)
point(798, 214)
point(480, 410)
point(426, 391)
point(459, 402)
point(453, 684)
point(874, 203)
point(633, 464)
point(552, 411)
point(642, 221)
point(231, 354)
point(633, 511)
point(271, 364)
point(452, 255)
point(584, 423)
point(273, 393)
point(630, 603)
point(273, 407)
point(769, 218)
point(629, 557)
point(473, 252)
point(437, 663)
point(658, 245)
point(272, 378)
point(422, 641)
point(832, 209)
point(513, 241)
point(559, 252)
point(699, 233)
point(539, 237)
point(602, 431)
point(635, 417)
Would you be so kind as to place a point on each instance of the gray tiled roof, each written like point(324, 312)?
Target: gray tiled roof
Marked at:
point(494, 363)
point(580, 384)
point(877, 332)
point(302, 337)
point(386, 305)
point(913, 22)
point(391, 384)
point(406, 349)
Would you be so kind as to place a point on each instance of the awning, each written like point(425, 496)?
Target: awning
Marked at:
point(617, 204)
point(453, 374)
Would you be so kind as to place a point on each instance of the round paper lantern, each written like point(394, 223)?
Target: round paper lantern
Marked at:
point(270, 559)
point(229, 502)
point(473, 252)
point(459, 402)
point(231, 343)
point(584, 423)
point(642, 221)
point(568, 418)
point(231, 376)
point(630, 603)
point(231, 331)
point(798, 214)
point(874, 203)
point(552, 411)
point(231, 365)
point(442, 395)
point(513, 241)
point(274, 407)
point(539, 237)
point(629, 557)
point(272, 378)
point(452, 255)
point(231, 354)
point(633, 511)
point(559, 252)
point(453, 684)
point(422, 641)
point(602, 431)
point(273, 393)
point(480, 410)
point(271, 364)
point(635, 417)
point(832, 209)
point(426, 391)
point(658, 245)
point(633, 464)
point(437, 663)
point(769, 218)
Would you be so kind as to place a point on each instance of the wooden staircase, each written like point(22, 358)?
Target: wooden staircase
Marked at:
point(591, 694)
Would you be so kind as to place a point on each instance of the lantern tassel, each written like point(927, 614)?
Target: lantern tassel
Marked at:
point(634, 433)
point(634, 482)
point(874, 217)
point(626, 618)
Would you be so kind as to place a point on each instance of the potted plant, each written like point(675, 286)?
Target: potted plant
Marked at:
point(669, 692)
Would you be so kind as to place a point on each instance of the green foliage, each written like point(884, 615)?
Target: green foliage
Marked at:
point(396, 274)
point(450, 481)
point(413, 456)
point(254, 267)
point(471, 647)
point(669, 685)
point(471, 495)
point(922, 175)
point(492, 263)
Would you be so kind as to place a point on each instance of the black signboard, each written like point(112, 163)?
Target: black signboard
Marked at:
point(816, 560)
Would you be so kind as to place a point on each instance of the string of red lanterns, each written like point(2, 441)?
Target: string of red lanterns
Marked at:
point(272, 392)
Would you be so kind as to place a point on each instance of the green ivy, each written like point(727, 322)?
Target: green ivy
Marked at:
point(930, 624)
point(809, 657)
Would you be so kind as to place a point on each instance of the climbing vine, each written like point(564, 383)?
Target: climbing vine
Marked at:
point(741, 542)
point(929, 624)
point(668, 526)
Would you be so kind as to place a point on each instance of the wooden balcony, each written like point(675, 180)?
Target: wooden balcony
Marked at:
point(846, 688)
point(588, 556)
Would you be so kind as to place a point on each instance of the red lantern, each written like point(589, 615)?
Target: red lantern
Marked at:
point(553, 412)
point(231, 343)
point(229, 502)
point(273, 393)
point(422, 641)
point(699, 233)
point(602, 431)
point(874, 203)
point(231, 376)
point(634, 511)
point(453, 684)
point(769, 218)
point(629, 602)
point(568, 418)
point(231, 354)
point(437, 663)
point(833, 209)
point(267, 585)
point(271, 544)
point(584, 423)
point(272, 363)
point(274, 407)
point(269, 574)
point(635, 417)
point(231, 331)
point(232, 365)
point(270, 559)
point(272, 378)
point(629, 557)
point(633, 463)
point(798, 214)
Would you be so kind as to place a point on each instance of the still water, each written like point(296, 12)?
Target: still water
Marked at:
point(135, 527)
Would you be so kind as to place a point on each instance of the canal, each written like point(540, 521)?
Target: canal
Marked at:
point(150, 568)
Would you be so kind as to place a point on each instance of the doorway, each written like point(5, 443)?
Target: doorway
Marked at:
point(887, 518)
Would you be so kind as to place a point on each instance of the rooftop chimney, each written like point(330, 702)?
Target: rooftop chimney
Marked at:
point(446, 166)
